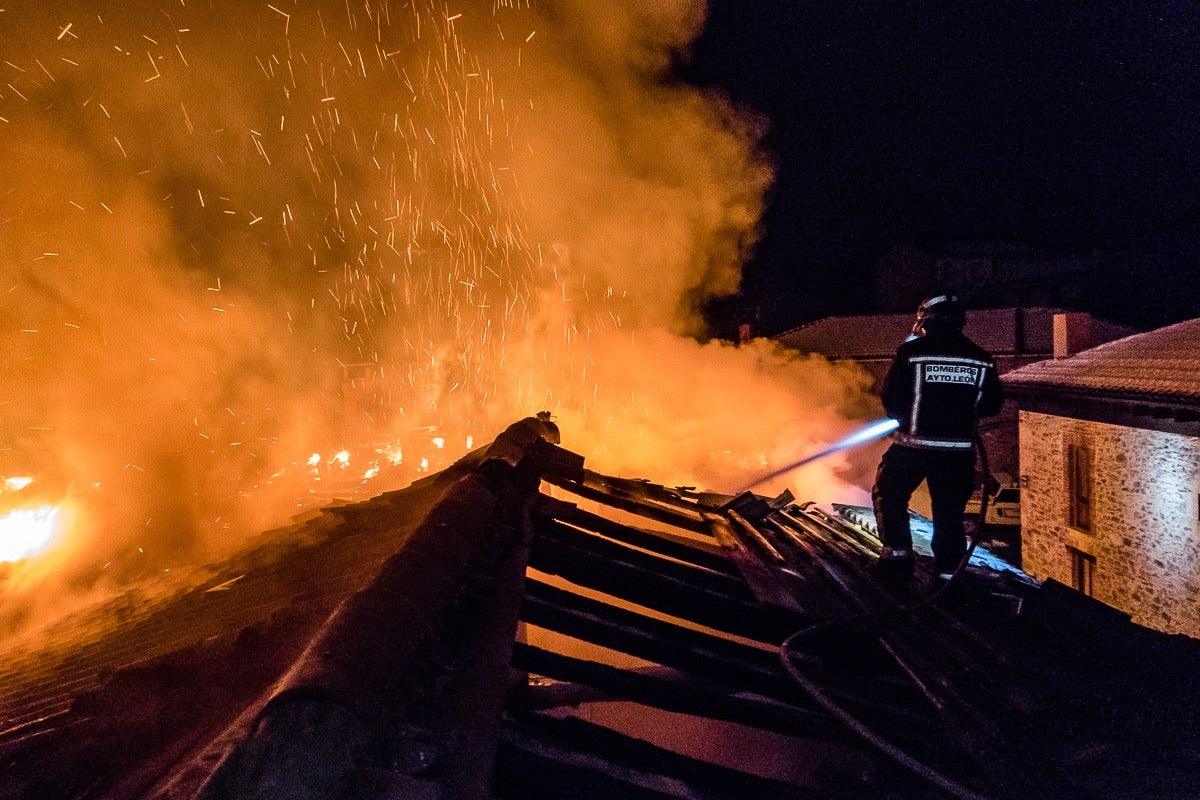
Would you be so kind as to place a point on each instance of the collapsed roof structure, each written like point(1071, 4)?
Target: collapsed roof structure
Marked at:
point(518, 626)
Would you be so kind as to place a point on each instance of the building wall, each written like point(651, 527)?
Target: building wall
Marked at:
point(1144, 516)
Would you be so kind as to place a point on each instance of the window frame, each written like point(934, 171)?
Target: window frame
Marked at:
point(1083, 571)
point(1080, 484)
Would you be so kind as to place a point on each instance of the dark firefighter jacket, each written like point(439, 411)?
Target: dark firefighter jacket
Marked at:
point(937, 387)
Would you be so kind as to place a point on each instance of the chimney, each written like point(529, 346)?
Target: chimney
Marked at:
point(1072, 333)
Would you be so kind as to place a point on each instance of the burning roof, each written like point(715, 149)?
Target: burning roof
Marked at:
point(684, 611)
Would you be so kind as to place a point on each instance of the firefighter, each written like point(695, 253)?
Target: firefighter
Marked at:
point(937, 387)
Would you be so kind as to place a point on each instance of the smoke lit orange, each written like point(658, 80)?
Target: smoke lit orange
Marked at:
point(235, 237)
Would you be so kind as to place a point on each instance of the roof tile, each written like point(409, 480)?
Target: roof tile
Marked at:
point(1160, 364)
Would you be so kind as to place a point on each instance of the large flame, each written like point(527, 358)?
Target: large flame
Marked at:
point(237, 235)
point(27, 532)
point(28, 527)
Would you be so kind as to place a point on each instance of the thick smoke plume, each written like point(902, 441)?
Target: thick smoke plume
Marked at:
point(234, 236)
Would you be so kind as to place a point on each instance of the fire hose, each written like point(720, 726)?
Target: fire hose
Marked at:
point(822, 699)
point(861, 436)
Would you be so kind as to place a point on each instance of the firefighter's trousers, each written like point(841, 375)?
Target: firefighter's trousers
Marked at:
point(950, 476)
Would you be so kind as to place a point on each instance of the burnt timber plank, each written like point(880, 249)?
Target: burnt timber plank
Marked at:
point(764, 580)
point(596, 487)
point(711, 657)
point(753, 536)
point(654, 640)
point(648, 492)
point(531, 770)
point(650, 590)
point(682, 693)
point(722, 582)
point(703, 553)
point(766, 657)
point(571, 753)
point(631, 579)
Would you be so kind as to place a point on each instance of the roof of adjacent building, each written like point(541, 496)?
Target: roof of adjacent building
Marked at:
point(1159, 366)
point(862, 336)
point(1000, 331)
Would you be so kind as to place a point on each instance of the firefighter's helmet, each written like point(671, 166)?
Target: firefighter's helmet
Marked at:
point(942, 309)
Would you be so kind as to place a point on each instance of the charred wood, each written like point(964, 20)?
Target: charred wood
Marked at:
point(570, 758)
point(702, 552)
point(666, 586)
point(684, 693)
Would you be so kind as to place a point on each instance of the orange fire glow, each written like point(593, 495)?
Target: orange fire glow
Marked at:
point(238, 240)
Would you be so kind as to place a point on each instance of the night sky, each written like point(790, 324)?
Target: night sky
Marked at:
point(1073, 127)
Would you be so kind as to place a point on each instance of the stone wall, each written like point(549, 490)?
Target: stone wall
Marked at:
point(1144, 533)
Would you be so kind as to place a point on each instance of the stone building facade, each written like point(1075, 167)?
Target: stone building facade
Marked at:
point(1140, 551)
point(1110, 473)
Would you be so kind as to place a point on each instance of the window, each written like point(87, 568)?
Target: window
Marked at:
point(1083, 567)
point(1079, 486)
